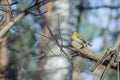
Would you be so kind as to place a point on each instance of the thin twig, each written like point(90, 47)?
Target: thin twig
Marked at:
point(9, 4)
point(19, 17)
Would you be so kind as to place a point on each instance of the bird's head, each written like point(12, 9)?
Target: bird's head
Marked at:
point(74, 33)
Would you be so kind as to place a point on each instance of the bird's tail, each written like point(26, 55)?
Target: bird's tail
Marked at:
point(89, 44)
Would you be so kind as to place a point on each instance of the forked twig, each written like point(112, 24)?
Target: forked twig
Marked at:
point(111, 55)
point(112, 59)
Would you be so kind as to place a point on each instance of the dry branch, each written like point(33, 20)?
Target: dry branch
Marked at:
point(91, 55)
point(20, 16)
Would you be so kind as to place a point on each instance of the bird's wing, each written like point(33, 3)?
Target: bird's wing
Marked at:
point(81, 38)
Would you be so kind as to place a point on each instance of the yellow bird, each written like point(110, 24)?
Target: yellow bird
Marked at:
point(77, 37)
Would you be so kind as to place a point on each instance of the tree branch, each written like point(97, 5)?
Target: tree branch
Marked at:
point(20, 16)
point(90, 55)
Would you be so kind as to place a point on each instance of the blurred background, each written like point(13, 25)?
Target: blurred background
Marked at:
point(37, 44)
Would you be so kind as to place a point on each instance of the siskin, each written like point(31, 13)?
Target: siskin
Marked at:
point(78, 38)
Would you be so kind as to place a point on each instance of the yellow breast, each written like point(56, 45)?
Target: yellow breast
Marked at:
point(74, 37)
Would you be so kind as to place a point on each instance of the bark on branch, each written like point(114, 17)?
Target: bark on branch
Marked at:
point(20, 16)
point(91, 55)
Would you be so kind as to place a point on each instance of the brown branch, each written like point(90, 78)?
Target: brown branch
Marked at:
point(20, 16)
point(9, 4)
point(90, 55)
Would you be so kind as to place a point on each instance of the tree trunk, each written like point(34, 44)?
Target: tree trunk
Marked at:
point(3, 40)
point(44, 42)
point(60, 67)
